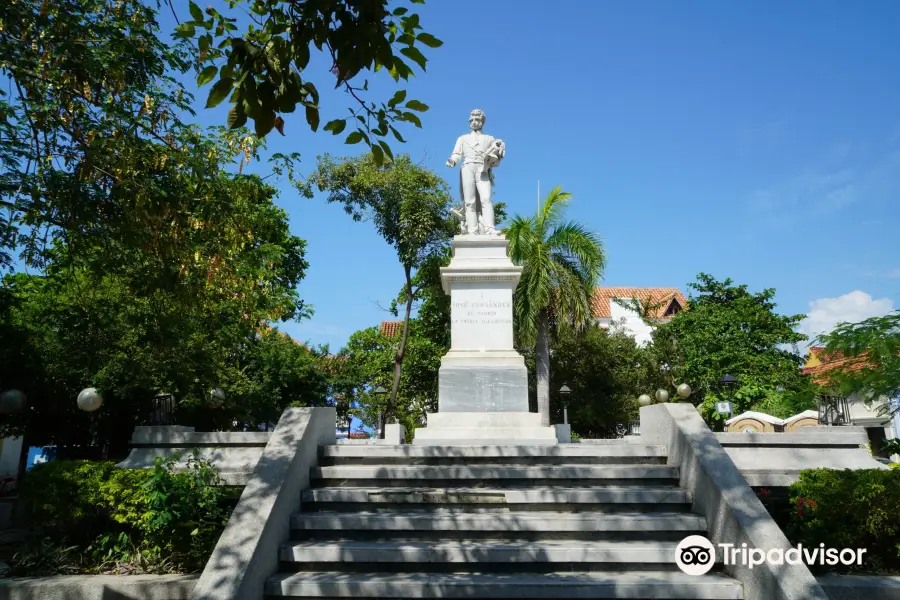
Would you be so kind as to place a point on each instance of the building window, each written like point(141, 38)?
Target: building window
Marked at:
point(673, 309)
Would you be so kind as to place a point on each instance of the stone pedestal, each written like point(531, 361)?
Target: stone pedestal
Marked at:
point(482, 382)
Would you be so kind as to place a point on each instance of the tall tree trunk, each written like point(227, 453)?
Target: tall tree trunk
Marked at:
point(401, 351)
point(542, 367)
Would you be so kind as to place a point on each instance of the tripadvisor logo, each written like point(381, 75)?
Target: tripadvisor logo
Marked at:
point(696, 555)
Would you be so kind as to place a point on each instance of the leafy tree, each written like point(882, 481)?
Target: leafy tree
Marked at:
point(561, 263)
point(369, 359)
point(409, 206)
point(278, 372)
point(75, 328)
point(728, 329)
point(606, 371)
point(870, 351)
point(266, 71)
point(91, 121)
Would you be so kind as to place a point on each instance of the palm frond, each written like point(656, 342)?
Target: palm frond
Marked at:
point(583, 246)
point(572, 293)
point(552, 210)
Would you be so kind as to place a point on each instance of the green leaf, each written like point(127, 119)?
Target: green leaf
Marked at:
point(236, 117)
point(264, 123)
point(312, 117)
point(399, 97)
point(207, 75)
point(399, 12)
point(311, 89)
point(354, 138)
point(185, 30)
point(429, 40)
point(265, 91)
point(195, 11)
point(336, 126)
point(417, 106)
point(301, 53)
point(387, 149)
point(412, 118)
point(414, 54)
point(219, 91)
point(378, 155)
point(397, 135)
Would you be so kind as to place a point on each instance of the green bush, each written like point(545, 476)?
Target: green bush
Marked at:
point(849, 509)
point(155, 519)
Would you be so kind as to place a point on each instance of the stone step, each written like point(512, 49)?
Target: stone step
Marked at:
point(510, 524)
point(475, 455)
point(493, 436)
point(658, 498)
point(482, 552)
point(635, 585)
point(452, 475)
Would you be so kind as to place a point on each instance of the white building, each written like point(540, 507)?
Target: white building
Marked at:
point(660, 304)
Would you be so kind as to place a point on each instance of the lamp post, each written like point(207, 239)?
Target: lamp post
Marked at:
point(379, 427)
point(215, 397)
point(726, 409)
point(564, 391)
point(729, 382)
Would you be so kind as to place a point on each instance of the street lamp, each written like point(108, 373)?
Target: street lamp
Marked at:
point(216, 397)
point(379, 393)
point(89, 399)
point(11, 402)
point(727, 380)
point(564, 391)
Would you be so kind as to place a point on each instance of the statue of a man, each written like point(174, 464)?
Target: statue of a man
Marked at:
point(480, 153)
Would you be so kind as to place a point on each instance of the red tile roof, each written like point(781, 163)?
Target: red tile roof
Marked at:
point(817, 351)
point(823, 374)
point(602, 299)
point(391, 328)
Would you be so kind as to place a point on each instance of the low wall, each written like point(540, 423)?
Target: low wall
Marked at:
point(99, 587)
point(720, 493)
point(235, 454)
point(776, 459)
point(246, 554)
point(861, 587)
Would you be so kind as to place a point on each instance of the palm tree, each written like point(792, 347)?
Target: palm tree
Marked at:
point(561, 262)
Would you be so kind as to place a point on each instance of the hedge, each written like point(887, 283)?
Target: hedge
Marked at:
point(95, 517)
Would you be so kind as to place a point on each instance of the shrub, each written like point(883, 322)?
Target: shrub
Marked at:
point(160, 519)
point(849, 509)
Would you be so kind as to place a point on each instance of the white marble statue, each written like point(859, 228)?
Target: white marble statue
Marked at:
point(480, 153)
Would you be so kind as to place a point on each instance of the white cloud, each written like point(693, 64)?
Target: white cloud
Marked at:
point(825, 313)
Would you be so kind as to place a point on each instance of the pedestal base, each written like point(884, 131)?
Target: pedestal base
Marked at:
point(482, 382)
point(485, 429)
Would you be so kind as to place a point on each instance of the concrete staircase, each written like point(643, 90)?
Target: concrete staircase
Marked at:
point(566, 521)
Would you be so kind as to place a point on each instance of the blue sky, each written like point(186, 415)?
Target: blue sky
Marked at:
point(753, 140)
